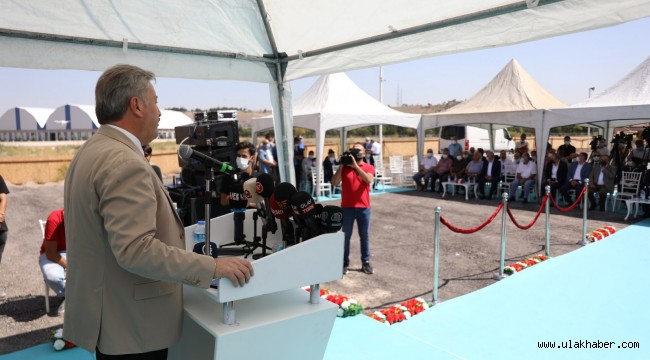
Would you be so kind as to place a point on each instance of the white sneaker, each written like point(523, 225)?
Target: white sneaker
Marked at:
point(61, 310)
point(3, 295)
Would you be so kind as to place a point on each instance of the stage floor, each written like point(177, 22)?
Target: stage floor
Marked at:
point(576, 302)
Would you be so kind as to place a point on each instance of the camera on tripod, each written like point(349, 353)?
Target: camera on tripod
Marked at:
point(346, 157)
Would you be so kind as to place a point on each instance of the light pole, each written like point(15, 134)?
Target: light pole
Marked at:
point(591, 89)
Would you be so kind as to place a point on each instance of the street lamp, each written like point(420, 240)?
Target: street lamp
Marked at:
point(591, 89)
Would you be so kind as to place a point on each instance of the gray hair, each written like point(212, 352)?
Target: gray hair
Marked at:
point(116, 87)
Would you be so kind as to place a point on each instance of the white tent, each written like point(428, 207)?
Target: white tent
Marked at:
point(511, 98)
point(625, 103)
point(169, 119)
point(276, 41)
point(334, 101)
point(73, 117)
point(23, 122)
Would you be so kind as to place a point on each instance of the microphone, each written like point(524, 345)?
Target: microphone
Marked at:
point(331, 219)
point(304, 207)
point(186, 153)
point(264, 188)
point(282, 194)
point(283, 214)
point(251, 192)
point(199, 248)
point(238, 202)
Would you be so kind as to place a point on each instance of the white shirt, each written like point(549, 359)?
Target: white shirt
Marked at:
point(489, 169)
point(131, 137)
point(576, 175)
point(375, 148)
point(429, 162)
point(526, 170)
point(554, 170)
point(601, 180)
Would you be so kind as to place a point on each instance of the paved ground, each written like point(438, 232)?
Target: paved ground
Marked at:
point(401, 245)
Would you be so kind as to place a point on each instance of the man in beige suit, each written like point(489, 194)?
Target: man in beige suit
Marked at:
point(126, 257)
point(601, 181)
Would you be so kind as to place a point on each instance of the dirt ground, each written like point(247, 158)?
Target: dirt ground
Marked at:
point(402, 226)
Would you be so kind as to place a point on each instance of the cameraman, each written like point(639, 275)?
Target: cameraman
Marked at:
point(245, 160)
point(355, 177)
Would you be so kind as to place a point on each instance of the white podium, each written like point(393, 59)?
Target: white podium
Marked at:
point(273, 316)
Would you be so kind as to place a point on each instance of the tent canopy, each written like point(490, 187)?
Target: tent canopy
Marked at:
point(275, 41)
point(625, 103)
point(169, 119)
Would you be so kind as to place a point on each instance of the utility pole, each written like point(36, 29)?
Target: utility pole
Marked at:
point(381, 100)
point(591, 89)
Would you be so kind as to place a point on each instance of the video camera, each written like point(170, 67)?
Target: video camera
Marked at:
point(595, 141)
point(346, 157)
point(623, 139)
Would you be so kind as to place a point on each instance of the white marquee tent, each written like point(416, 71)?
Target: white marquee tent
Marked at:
point(73, 117)
point(22, 122)
point(336, 102)
point(625, 103)
point(511, 98)
point(277, 41)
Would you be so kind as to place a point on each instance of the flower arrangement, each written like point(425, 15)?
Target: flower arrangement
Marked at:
point(347, 307)
point(58, 342)
point(518, 266)
point(600, 234)
point(402, 312)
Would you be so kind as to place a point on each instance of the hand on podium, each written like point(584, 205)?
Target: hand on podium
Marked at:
point(238, 271)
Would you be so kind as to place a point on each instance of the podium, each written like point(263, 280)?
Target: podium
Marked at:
point(271, 317)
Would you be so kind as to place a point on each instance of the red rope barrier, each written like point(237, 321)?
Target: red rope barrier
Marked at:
point(526, 227)
point(584, 188)
point(473, 230)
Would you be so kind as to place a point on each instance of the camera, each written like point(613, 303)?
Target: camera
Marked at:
point(346, 158)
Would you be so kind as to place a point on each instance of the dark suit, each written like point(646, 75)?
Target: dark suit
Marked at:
point(609, 173)
point(560, 177)
point(495, 176)
point(577, 184)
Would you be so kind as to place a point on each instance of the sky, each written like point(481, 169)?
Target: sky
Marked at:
point(566, 66)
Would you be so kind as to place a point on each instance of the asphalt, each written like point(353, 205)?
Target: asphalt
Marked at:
point(402, 228)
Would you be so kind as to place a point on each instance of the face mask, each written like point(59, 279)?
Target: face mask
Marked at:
point(596, 158)
point(458, 157)
point(567, 143)
point(311, 157)
point(454, 141)
point(443, 156)
point(429, 155)
point(332, 159)
point(242, 163)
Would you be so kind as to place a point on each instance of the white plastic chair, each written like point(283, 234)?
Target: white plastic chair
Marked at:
point(508, 178)
point(630, 182)
point(396, 167)
point(323, 187)
point(380, 178)
point(47, 288)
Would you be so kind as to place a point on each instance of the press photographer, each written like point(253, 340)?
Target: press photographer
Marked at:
point(355, 177)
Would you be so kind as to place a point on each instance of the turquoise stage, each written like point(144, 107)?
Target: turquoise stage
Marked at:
point(594, 296)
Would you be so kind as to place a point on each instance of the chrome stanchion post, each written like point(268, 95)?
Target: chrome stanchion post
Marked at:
point(229, 313)
point(436, 255)
point(314, 294)
point(548, 220)
point(585, 205)
point(504, 215)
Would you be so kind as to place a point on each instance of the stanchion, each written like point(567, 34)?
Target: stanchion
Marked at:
point(229, 313)
point(314, 294)
point(504, 217)
point(436, 253)
point(548, 221)
point(585, 205)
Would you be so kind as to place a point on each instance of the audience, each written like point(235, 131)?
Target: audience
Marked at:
point(427, 170)
point(601, 181)
point(441, 171)
point(555, 173)
point(577, 173)
point(526, 174)
point(490, 173)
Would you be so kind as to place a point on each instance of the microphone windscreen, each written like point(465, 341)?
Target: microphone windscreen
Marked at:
point(250, 190)
point(303, 204)
point(278, 211)
point(185, 152)
point(331, 218)
point(265, 186)
point(237, 197)
point(283, 193)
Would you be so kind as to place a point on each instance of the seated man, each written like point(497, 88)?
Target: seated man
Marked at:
point(53, 256)
point(426, 171)
point(457, 170)
point(555, 172)
point(601, 181)
point(328, 166)
point(441, 171)
point(473, 168)
point(490, 173)
point(577, 173)
point(526, 174)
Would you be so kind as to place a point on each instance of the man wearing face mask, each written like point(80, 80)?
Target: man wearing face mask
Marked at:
point(567, 151)
point(526, 174)
point(601, 181)
point(577, 173)
point(245, 160)
point(265, 156)
point(457, 170)
point(328, 165)
point(454, 147)
point(441, 171)
point(426, 171)
point(640, 152)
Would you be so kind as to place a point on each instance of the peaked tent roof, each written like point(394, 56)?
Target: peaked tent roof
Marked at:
point(334, 101)
point(512, 89)
point(627, 102)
